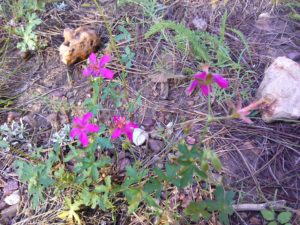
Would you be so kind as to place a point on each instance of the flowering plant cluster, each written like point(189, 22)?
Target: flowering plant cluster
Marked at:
point(81, 126)
point(96, 68)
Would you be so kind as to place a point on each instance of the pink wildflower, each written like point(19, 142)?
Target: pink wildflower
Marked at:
point(81, 128)
point(97, 68)
point(123, 127)
point(204, 81)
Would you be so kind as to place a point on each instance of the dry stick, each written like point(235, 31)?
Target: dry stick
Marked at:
point(275, 205)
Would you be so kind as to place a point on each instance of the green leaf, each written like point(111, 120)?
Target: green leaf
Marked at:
point(187, 177)
point(284, 217)
point(268, 215)
point(273, 223)
point(197, 210)
point(150, 201)
point(216, 162)
point(153, 185)
point(3, 144)
point(134, 198)
point(104, 143)
point(94, 173)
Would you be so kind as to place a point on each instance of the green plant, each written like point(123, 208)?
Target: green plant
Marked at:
point(19, 8)
point(82, 168)
point(128, 56)
point(294, 14)
point(182, 34)
point(151, 7)
point(124, 35)
point(26, 32)
point(282, 218)
point(222, 204)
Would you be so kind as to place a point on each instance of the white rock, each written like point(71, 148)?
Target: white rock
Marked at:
point(139, 136)
point(282, 84)
point(13, 199)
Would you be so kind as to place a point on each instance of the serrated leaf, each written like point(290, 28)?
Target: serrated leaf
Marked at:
point(284, 217)
point(134, 198)
point(187, 177)
point(150, 201)
point(268, 215)
point(197, 210)
point(104, 143)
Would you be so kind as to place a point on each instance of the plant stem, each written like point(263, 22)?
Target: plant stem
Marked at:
point(114, 46)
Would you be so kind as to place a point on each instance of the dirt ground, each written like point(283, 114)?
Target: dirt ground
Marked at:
point(260, 161)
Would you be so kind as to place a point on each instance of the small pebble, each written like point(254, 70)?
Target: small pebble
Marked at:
point(155, 145)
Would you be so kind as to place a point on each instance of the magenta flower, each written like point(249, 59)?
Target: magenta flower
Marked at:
point(81, 128)
point(97, 68)
point(123, 127)
point(204, 81)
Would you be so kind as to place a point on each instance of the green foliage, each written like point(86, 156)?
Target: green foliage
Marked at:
point(37, 177)
point(268, 215)
point(124, 35)
point(111, 92)
point(71, 214)
point(204, 46)
point(26, 32)
point(282, 218)
point(222, 204)
point(181, 34)
point(128, 57)
point(294, 14)
point(19, 8)
point(151, 7)
point(190, 163)
point(133, 191)
point(24, 11)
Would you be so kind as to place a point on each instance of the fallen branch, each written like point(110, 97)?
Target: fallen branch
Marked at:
point(275, 205)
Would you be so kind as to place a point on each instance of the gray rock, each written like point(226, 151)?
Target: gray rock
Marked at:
point(281, 84)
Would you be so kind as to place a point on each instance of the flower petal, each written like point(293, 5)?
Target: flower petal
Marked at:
point(87, 72)
point(192, 87)
point(201, 76)
point(84, 139)
point(75, 132)
point(206, 89)
point(86, 117)
point(105, 59)
point(106, 73)
point(93, 58)
point(221, 81)
point(117, 133)
point(129, 129)
point(92, 128)
point(116, 119)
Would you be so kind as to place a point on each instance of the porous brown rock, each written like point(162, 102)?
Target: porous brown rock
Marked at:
point(281, 84)
point(78, 44)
